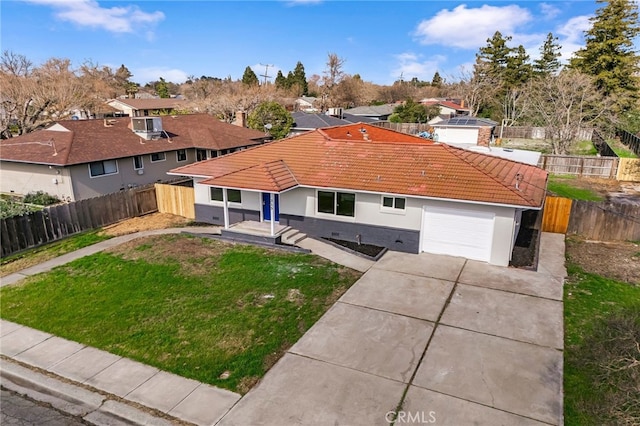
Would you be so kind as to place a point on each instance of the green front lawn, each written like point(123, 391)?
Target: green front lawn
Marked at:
point(602, 331)
point(27, 258)
point(200, 308)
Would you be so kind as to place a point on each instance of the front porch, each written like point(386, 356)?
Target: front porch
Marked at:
point(262, 232)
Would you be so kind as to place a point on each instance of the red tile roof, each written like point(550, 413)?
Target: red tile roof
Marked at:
point(367, 132)
point(90, 140)
point(396, 166)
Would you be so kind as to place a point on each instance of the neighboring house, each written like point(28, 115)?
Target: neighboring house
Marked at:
point(145, 107)
point(376, 112)
point(447, 107)
point(304, 122)
point(465, 130)
point(79, 159)
point(306, 103)
point(375, 186)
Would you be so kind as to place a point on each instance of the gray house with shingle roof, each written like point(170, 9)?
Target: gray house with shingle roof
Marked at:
point(304, 122)
point(78, 159)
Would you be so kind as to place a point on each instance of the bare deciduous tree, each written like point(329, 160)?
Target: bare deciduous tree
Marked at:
point(564, 104)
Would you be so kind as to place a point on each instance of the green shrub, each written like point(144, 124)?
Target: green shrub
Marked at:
point(41, 198)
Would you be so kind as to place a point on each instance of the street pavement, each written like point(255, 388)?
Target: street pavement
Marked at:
point(17, 410)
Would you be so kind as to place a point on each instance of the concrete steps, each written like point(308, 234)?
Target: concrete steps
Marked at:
point(292, 236)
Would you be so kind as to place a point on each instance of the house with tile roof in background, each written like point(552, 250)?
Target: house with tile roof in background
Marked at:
point(370, 185)
point(78, 159)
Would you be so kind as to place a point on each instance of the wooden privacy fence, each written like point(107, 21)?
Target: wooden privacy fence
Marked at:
point(174, 199)
point(53, 223)
point(580, 165)
point(628, 169)
point(555, 218)
point(602, 221)
point(630, 140)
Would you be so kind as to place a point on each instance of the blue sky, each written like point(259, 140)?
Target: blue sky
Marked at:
point(380, 40)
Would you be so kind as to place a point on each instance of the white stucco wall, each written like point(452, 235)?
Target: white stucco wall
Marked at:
point(457, 135)
point(22, 178)
point(369, 210)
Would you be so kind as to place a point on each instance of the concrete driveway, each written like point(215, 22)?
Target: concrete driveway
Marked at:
point(430, 339)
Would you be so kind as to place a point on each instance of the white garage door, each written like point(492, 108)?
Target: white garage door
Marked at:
point(457, 232)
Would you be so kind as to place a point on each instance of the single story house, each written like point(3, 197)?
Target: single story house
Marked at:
point(306, 103)
point(78, 159)
point(376, 112)
point(447, 107)
point(465, 130)
point(144, 107)
point(371, 185)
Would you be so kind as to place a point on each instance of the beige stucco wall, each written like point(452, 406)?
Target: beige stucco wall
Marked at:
point(22, 178)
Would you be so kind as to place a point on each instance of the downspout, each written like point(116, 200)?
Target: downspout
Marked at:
point(225, 203)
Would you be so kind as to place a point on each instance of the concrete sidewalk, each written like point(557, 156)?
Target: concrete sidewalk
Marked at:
point(433, 339)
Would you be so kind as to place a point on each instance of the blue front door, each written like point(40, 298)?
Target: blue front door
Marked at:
point(266, 210)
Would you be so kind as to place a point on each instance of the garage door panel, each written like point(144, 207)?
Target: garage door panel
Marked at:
point(458, 232)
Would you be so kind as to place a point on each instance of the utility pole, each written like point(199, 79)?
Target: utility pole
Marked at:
point(266, 72)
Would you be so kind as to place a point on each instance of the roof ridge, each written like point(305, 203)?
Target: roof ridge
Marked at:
point(286, 166)
point(513, 189)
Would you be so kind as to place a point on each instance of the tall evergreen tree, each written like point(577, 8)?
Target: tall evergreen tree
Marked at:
point(299, 81)
point(249, 77)
point(609, 54)
point(549, 61)
point(518, 70)
point(496, 54)
point(436, 81)
point(162, 88)
point(280, 81)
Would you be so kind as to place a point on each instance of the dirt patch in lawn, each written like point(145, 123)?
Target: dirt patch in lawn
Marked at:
point(615, 260)
point(146, 223)
point(195, 255)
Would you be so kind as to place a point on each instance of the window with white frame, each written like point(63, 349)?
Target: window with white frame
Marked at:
point(101, 168)
point(394, 203)
point(337, 203)
point(233, 195)
point(158, 156)
point(181, 155)
point(137, 162)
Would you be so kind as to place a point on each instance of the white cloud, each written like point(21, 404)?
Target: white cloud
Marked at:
point(549, 11)
point(88, 13)
point(571, 35)
point(146, 75)
point(411, 65)
point(470, 28)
